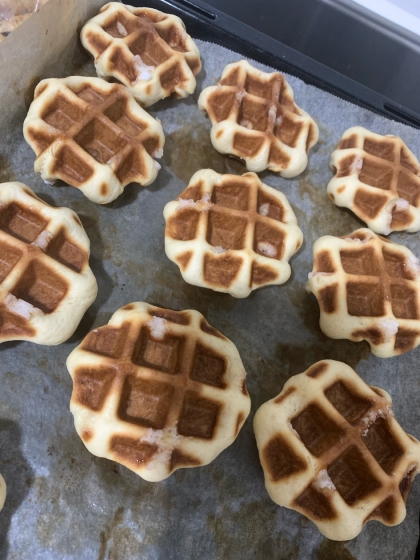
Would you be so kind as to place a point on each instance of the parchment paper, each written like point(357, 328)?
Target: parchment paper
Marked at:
point(64, 503)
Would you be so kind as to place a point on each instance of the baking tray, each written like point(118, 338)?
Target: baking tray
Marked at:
point(65, 503)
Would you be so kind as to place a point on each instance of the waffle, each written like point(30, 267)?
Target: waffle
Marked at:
point(332, 450)
point(255, 118)
point(367, 289)
point(378, 178)
point(92, 135)
point(46, 284)
point(231, 233)
point(2, 492)
point(157, 390)
point(146, 50)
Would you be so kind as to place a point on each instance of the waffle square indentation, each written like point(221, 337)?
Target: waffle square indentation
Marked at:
point(316, 430)
point(21, 222)
point(198, 417)
point(208, 367)
point(350, 406)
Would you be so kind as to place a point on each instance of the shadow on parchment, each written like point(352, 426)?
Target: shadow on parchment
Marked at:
point(17, 474)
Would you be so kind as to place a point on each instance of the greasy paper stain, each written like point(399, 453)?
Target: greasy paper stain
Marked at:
point(108, 532)
point(333, 550)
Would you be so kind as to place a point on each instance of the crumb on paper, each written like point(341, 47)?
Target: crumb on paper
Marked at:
point(267, 249)
point(389, 327)
point(20, 307)
point(264, 208)
point(324, 481)
point(144, 72)
point(121, 29)
point(158, 327)
point(43, 239)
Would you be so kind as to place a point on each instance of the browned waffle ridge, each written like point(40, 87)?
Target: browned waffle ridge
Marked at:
point(157, 390)
point(255, 118)
point(331, 449)
point(46, 284)
point(93, 135)
point(378, 178)
point(146, 50)
point(368, 288)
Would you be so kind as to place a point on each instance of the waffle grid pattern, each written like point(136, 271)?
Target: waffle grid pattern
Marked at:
point(46, 284)
point(157, 390)
point(378, 178)
point(368, 289)
point(93, 135)
point(255, 118)
point(231, 233)
point(331, 449)
point(146, 50)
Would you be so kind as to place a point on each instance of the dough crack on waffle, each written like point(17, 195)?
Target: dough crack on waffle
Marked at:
point(46, 284)
point(255, 118)
point(146, 50)
point(2, 492)
point(93, 135)
point(332, 450)
point(368, 288)
point(157, 390)
point(231, 233)
point(378, 178)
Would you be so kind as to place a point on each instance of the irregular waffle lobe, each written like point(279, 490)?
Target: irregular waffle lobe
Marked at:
point(328, 298)
point(370, 204)
point(289, 131)
point(405, 484)
point(232, 193)
point(406, 161)
point(315, 504)
point(405, 339)
point(324, 262)
point(106, 341)
point(67, 252)
point(183, 226)
point(408, 187)
point(262, 274)
point(401, 219)
point(316, 430)
point(208, 367)
point(404, 301)
point(382, 444)
point(278, 157)
point(179, 459)
point(248, 144)
point(280, 459)
point(349, 142)
point(365, 299)
point(192, 192)
point(21, 222)
point(396, 265)
point(12, 325)
point(226, 230)
point(268, 240)
point(221, 104)
point(270, 207)
point(361, 262)
point(345, 166)
point(221, 270)
point(165, 355)
point(386, 512)
point(9, 257)
point(352, 407)
point(40, 286)
point(178, 317)
point(205, 327)
point(352, 476)
point(132, 167)
point(92, 385)
point(199, 416)
point(376, 174)
point(132, 451)
point(70, 167)
point(260, 87)
point(145, 402)
point(384, 149)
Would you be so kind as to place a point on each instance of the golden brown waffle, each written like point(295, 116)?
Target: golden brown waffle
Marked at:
point(2, 492)
point(378, 178)
point(332, 450)
point(146, 50)
point(255, 118)
point(46, 284)
point(231, 233)
point(367, 289)
point(157, 390)
point(93, 135)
